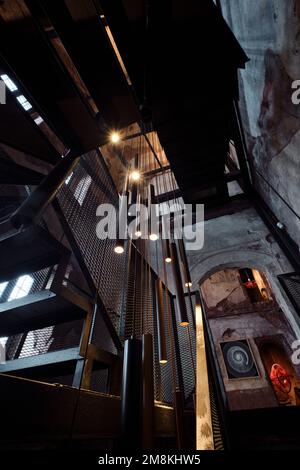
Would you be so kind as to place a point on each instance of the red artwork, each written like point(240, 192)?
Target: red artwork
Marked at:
point(250, 284)
point(280, 378)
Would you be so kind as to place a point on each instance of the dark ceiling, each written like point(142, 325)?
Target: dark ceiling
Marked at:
point(181, 57)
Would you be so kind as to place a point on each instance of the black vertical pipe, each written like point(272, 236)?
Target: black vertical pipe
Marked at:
point(131, 396)
point(180, 422)
point(160, 318)
point(168, 257)
point(153, 229)
point(148, 392)
point(176, 346)
point(154, 312)
point(187, 276)
point(182, 312)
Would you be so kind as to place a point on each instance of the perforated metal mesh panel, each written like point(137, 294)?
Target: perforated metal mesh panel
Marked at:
point(99, 380)
point(39, 280)
point(187, 346)
point(52, 338)
point(215, 417)
point(141, 317)
point(291, 285)
point(89, 186)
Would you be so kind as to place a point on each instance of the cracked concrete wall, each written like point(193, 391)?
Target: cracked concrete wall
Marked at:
point(269, 32)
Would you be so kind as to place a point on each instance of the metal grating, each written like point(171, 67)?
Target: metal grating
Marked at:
point(52, 338)
point(215, 418)
point(141, 317)
point(187, 346)
point(291, 284)
point(99, 380)
point(89, 186)
point(40, 279)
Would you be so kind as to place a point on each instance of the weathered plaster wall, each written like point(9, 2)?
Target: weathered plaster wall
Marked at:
point(224, 286)
point(269, 32)
point(242, 240)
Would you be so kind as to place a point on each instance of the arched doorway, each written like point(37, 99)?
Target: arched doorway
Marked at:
point(281, 373)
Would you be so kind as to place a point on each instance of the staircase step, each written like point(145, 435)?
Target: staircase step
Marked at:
point(41, 361)
point(27, 251)
point(41, 309)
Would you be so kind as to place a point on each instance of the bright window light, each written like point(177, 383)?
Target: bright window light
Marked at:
point(3, 287)
point(24, 102)
point(82, 189)
point(3, 341)
point(21, 288)
point(9, 83)
point(38, 120)
point(68, 179)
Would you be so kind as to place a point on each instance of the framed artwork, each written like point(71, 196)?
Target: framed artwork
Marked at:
point(239, 360)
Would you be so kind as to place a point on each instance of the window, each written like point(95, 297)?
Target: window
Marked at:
point(24, 102)
point(22, 287)
point(9, 83)
point(38, 120)
point(2, 287)
point(68, 179)
point(82, 189)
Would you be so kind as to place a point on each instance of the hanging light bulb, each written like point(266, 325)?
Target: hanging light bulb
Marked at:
point(135, 175)
point(168, 258)
point(160, 314)
point(187, 276)
point(138, 233)
point(122, 224)
point(115, 137)
point(153, 237)
point(181, 305)
point(153, 224)
point(119, 248)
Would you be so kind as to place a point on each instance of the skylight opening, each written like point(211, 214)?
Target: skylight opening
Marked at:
point(22, 287)
point(3, 341)
point(82, 189)
point(3, 286)
point(9, 83)
point(68, 179)
point(38, 120)
point(24, 102)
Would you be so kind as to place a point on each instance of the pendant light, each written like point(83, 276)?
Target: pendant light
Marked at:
point(168, 257)
point(122, 224)
point(187, 276)
point(160, 315)
point(153, 225)
point(181, 305)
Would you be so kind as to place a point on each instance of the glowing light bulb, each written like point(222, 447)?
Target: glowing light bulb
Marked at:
point(168, 260)
point(153, 237)
point(163, 361)
point(115, 137)
point(138, 233)
point(188, 284)
point(119, 249)
point(135, 175)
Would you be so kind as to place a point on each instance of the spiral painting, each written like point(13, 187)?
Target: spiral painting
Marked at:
point(238, 359)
